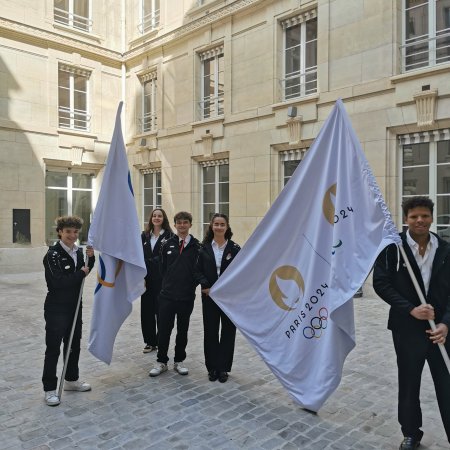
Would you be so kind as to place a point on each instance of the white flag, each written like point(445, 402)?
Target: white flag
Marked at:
point(289, 290)
point(115, 233)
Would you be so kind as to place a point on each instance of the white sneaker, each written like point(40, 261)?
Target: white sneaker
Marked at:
point(157, 370)
point(180, 368)
point(78, 385)
point(51, 398)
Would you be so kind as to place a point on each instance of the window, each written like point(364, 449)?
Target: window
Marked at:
point(290, 160)
point(212, 83)
point(73, 13)
point(148, 120)
point(73, 106)
point(150, 13)
point(67, 193)
point(426, 33)
point(300, 56)
point(215, 191)
point(152, 193)
point(425, 160)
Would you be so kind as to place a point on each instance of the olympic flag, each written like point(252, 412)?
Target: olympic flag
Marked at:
point(115, 232)
point(290, 289)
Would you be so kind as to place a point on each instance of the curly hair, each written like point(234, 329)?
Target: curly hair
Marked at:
point(417, 202)
point(68, 222)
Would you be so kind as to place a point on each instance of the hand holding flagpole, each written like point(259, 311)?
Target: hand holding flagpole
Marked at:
point(423, 301)
point(85, 269)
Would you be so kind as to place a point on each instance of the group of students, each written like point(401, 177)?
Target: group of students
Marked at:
point(176, 264)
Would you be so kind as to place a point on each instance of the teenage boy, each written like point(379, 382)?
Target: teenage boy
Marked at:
point(414, 341)
point(176, 299)
point(64, 271)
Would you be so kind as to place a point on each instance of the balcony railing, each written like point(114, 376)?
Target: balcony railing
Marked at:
point(147, 123)
point(74, 119)
point(72, 20)
point(423, 51)
point(298, 84)
point(211, 106)
point(149, 22)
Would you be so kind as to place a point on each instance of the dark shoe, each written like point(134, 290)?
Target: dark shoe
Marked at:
point(409, 443)
point(223, 377)
point(149, 349)
point(212, 375)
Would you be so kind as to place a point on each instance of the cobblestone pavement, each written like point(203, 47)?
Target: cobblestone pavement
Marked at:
point(128, 410)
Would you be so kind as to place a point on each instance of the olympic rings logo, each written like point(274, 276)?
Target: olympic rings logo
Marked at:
point(318, 323)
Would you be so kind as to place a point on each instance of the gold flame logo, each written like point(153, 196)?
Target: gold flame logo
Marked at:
point(328, 205)
point(285, 273)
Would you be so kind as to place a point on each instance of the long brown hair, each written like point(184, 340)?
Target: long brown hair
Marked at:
point(165, 225)
point(209, 235)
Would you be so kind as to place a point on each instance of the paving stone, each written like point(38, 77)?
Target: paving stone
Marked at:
point(129, 410)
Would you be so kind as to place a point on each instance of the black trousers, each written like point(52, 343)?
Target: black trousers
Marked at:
point(412, 351)
point(57, 329)
point(149, 316)
point(168, 310)
point(219, 337)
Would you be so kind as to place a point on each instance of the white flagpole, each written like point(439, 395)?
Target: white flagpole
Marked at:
point(424, 302)
point(69, 344)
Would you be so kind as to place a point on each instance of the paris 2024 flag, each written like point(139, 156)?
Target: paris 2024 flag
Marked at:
point(115, 233)
point(289, 290)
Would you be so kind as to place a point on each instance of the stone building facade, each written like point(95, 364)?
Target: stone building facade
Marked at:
point(222, 100)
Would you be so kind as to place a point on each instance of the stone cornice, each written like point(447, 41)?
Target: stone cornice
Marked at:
point(52, 39)
point(38, 35)
point(191, 27)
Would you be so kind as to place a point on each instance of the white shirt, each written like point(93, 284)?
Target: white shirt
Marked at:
point(424, 262)
point(218, 254)
point(154, 238)
point(72, 252)
point(186, 240)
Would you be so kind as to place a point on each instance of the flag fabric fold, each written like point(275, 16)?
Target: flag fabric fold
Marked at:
point(290, 289)
point(115, 233)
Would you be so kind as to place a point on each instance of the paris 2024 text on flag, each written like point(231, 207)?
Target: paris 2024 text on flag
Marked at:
point(290, 289)
point(115, 233)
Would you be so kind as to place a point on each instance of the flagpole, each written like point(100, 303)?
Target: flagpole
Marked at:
point(69, 344)
point(424, 302)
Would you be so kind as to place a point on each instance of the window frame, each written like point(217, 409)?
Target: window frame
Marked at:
point(151, 21)
point(71, 20)
point(70, 110)
point(430, 38)
point(216, 102)
point(217, 183)
point(157, 191)
point(300, 21)
point(148, 122)
point(69, 189)
point(432, 139)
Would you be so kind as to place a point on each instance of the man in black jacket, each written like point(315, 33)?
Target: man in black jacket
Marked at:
point(64, 271)
point(414, 341)
point(176, 299)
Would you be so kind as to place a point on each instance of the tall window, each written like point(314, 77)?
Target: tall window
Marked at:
point(426, 33)
point(300, 56)
point(73, 99)
point(150, 14)
point(289, 162)
point(215, 192)
point(67, 193)
point(426, 171)
point(73, 13)
point(212, 83)
point(152, 193)
point(288, 169)
point(148, 120)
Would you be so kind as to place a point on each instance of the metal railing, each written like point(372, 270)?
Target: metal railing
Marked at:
point(72, 20)
point(146, 123)
point(74, 119)
point(149, 22)
point(424, 51)
point(211, 106)
point(298, 84)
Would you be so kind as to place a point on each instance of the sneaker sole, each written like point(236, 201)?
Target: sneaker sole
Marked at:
point(77, 390)
point(156, 374)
